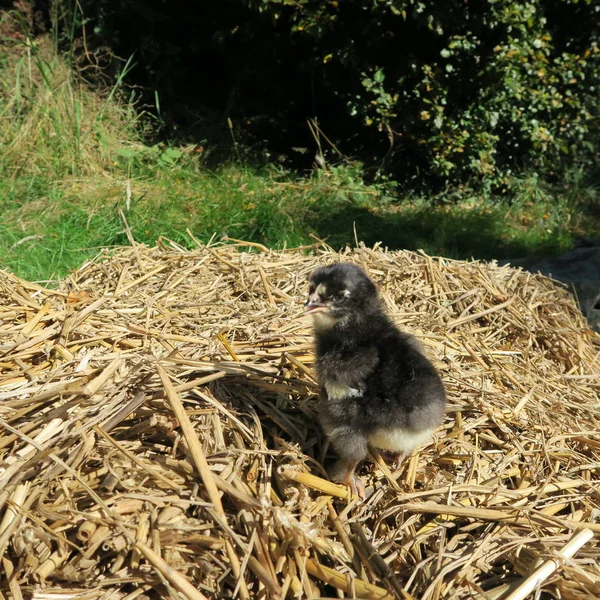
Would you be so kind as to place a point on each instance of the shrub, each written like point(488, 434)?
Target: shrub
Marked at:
point(455, 91)
point(466, 90)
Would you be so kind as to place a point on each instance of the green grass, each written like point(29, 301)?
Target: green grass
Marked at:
point(532, 222)
point(50, 228)
point(72, 161)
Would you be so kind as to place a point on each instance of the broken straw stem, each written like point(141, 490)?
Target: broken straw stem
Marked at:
point(547, 568)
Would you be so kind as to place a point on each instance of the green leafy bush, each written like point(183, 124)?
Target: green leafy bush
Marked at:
point(456, 91)
point(464, 90)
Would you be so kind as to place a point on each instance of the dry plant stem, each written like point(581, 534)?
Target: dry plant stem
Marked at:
point(14, 587)
point(339, 581)
point(250, 244)
point(265, 283)
point(201, 464)
point(140, 537)
point(12, 515)
point(192, 440)
point(542, 573)
point(509, 516)
point(16, 501)
point(86, 531)
point(174, 577)
point(316, 483)
point(94, 386)
point(265, 578)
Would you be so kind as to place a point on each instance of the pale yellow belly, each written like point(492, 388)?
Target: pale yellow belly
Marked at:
point(399, 440)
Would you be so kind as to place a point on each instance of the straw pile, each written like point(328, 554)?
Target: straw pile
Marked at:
point(158, 435)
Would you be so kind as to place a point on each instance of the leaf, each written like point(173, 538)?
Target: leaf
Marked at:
point(126, 152)
point(173, 153)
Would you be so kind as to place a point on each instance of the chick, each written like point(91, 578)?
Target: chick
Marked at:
point(378, 388)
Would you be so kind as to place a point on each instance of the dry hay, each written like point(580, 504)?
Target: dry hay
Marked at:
point(158, 435)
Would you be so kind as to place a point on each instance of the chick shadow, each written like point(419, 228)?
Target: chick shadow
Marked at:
point(287, 418)
point(473, 233)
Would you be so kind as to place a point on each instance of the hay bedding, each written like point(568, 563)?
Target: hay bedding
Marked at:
point(158, 435)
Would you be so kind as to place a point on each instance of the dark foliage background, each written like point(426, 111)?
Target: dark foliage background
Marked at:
point(453, 92)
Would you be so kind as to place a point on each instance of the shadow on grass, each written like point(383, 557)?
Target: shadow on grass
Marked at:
point(590, 209)
point(472, 233)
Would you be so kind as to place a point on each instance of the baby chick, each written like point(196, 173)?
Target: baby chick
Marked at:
point(378, 388)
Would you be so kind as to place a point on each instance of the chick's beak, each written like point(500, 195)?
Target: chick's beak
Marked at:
point(314, 305)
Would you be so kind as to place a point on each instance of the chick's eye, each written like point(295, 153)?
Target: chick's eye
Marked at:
point(311, 290)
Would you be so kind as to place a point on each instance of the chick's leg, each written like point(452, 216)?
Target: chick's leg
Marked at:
point(352, 449)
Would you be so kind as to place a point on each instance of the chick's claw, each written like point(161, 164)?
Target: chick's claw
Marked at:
point(343, 472)
point(356, 486)
point(398, 459)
